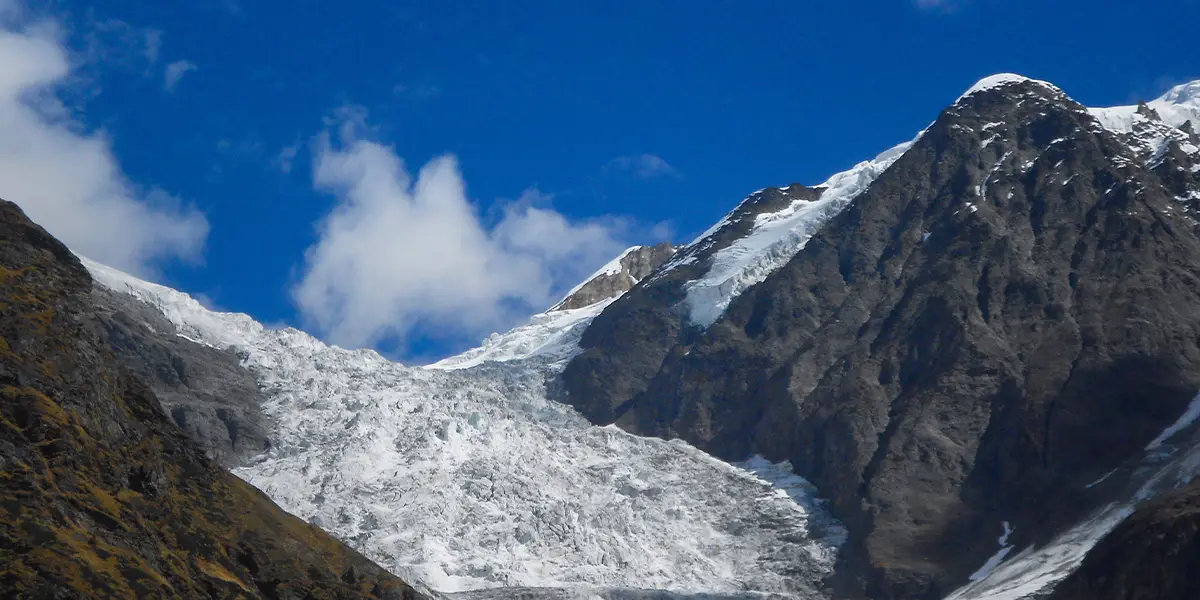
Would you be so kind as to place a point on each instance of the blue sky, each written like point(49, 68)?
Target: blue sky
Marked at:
point(576, 127)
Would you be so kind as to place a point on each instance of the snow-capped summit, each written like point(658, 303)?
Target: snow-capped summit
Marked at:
point(1001, 80)
point(1186, 94)
point(824, 336)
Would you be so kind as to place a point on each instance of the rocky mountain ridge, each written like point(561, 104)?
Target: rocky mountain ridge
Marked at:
point(978, 346)
point(999, 318)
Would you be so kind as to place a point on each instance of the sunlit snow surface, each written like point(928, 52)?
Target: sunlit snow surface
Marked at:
point(776, 238)
point(470, 478)
point(552, 337)
point(1179, 105)
point(1002, 79)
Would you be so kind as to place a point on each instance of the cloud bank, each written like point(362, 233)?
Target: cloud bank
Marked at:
point(66, 178)
point(399, 254)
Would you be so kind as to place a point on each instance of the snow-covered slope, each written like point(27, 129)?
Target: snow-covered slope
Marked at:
point(610, 269)
point(551, 336)
point(775, 238)
point(1171, 461)
point(1153, 128)
point(1179, 105)
point(471, 478)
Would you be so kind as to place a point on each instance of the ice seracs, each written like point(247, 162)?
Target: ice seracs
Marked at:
point(467, 476)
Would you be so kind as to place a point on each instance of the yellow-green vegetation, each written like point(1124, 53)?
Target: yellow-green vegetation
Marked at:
point(220, 573)
point(39, 404)
point(6, 274)
point(41, 319)
point(82, 561)
point(100, 497)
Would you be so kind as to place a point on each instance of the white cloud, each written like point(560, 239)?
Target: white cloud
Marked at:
point(397, 255)
point(175, 72)
point(66, 178)
point(642, 166)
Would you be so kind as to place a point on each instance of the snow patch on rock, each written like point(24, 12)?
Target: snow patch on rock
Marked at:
point(1172, 464)
point(776, 238)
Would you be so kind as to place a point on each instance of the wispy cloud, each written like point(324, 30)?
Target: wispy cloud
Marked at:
point(286, 157)
point(66, 177)
point(114, 42)
point(174, 73)
point(416, 91)
point(938, 5)
point(642, 166)
point(399, 254)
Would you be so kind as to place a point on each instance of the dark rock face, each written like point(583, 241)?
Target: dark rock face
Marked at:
point(636, 264)
point(100, 495)
point(205, 391)
point(1006, 314)
point(626, 344)
point(1153, 555)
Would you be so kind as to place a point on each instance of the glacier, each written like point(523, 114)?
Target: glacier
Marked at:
point(464, 476)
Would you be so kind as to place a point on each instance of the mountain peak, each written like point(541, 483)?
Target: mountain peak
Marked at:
point(1185, 94)
point(1001, 80)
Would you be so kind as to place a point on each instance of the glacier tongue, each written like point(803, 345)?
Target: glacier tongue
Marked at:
point(470, 478)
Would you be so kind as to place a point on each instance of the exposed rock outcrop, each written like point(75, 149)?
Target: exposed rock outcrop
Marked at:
point(206, 391)
point(617, 277)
